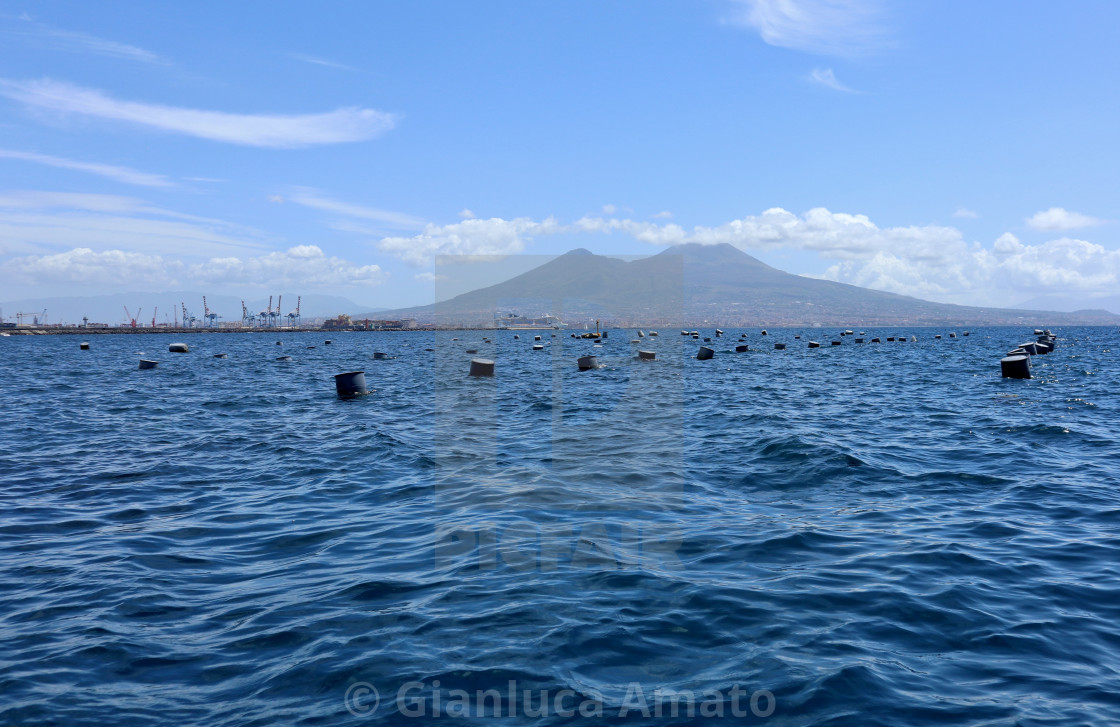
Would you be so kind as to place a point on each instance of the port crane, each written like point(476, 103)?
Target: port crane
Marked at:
point(266, 316)
point(131, 318)
point(188, 319)
point(33, 316)
point(155, 311)
point(293, 316)
point(208, 314)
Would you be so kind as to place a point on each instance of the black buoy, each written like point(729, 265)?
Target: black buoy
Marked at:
point(1015, 367)
point(779, 347)
point(326, 343)
point(952, 335)
point(646, 355)
point(178, 348)
point(764, 333)
point(938, 337)
point(538, 347)
point(965, 333)
point(482, 367)
point(836, 343)
point(84, 346)
point(283, 358)
point(350, 384)
point(472, 350)
point(705, 353)
point(707, 340)
point(742, 348)
point(536, 338)
point(719, 332)
point(278, 343)
point(586, 363)
point(890, 338)
point(145, 364)
point(220, 355)
point(875, 340)
point(380, 356)
point(797, 338)
point(1031, 348)
point(814, 344)
point(516, 337)
point(859, 340)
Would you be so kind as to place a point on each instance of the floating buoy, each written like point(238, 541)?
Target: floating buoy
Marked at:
point(178, 348)
point(1038, 331)
point(814, 344)
point(965, 333)
point(380, 356)
point(848, 332)
point(536, 338)
point(654, 333)
point(952, 335)
point(646, 355)
point(779, 347)
point(587, 362)
point(859, 340)
point(695, 333)
point(938, 337)
point(797, 338)
point(472, 350)
point(538, 347)
point(1015, 367)
point(890, 339)
point(684, 333)
point(482, 367)
point(283, 358)
point(641, 334)
point(875, 340)
point(517, 337)
point(326, 343)
point(84, 346)
point(764, 333)
point(310, 348)
point(1031, 348)
point(604, 334)
point(278, 343)
point(913, 339)
point(145, 364)
point(705, 353)
point(719, 332)
point(220, 355)
point(742, 348)
point(707, 340)
point(836, 343)
point(350, 384)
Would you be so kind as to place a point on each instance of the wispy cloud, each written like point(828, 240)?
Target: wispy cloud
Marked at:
point(119, 174)
point(310, 198)
point(1057, 219)
point(494, 236)
point(76, 42)
point(827, 78)
point(262, 130)
point(313, 60)
point(966, 213)
point(824, 27)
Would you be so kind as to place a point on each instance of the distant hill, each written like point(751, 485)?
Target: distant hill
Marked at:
point(718, 284)
point(110, 308)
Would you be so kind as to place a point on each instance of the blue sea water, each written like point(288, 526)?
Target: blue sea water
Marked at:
point(876, 534)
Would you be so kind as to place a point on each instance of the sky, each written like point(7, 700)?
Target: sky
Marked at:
point(959, 152)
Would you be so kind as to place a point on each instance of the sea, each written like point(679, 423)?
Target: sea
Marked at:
point(865, 534)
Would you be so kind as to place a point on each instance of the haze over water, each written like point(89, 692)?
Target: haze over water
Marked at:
point(881, 534)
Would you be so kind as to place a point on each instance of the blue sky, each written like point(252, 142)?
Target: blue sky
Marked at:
point(959, 152)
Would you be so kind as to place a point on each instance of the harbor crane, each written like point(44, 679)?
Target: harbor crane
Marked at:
point(266, 316)
point(294, 315)
point(210, 316)
point(35, 318)
point(155, 311)
point(131, 318)
point(188, 319)
point(279, 318)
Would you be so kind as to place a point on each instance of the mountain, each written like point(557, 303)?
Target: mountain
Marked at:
point(1072, 303)
point(718, 284)
point(110, 308)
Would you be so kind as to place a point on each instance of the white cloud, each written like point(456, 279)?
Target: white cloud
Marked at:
point(1058, 219)
point(466, 214)
point(310, 198)
point(965, 213)
point(494, 236)
point(663, 215)
point(609, 209)
point(825, 27)
point(262, 130)
point(304, 265)
point(827, 78)
point(75, 42)
point(34, 221)
point(119, 174)
point(321, 62)
point(429, 277)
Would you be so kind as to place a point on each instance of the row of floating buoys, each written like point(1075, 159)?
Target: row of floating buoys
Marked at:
point(1017, 363)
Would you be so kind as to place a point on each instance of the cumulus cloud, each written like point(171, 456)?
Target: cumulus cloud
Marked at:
point(495, 236)
point(305, 265)
point(824, 27)
point(262, 130)
point(825, 77)
point(1057, 219)
point(108, 171)
point(466, 214)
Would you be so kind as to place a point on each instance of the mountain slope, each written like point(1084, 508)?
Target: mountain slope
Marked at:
point(719, 284)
